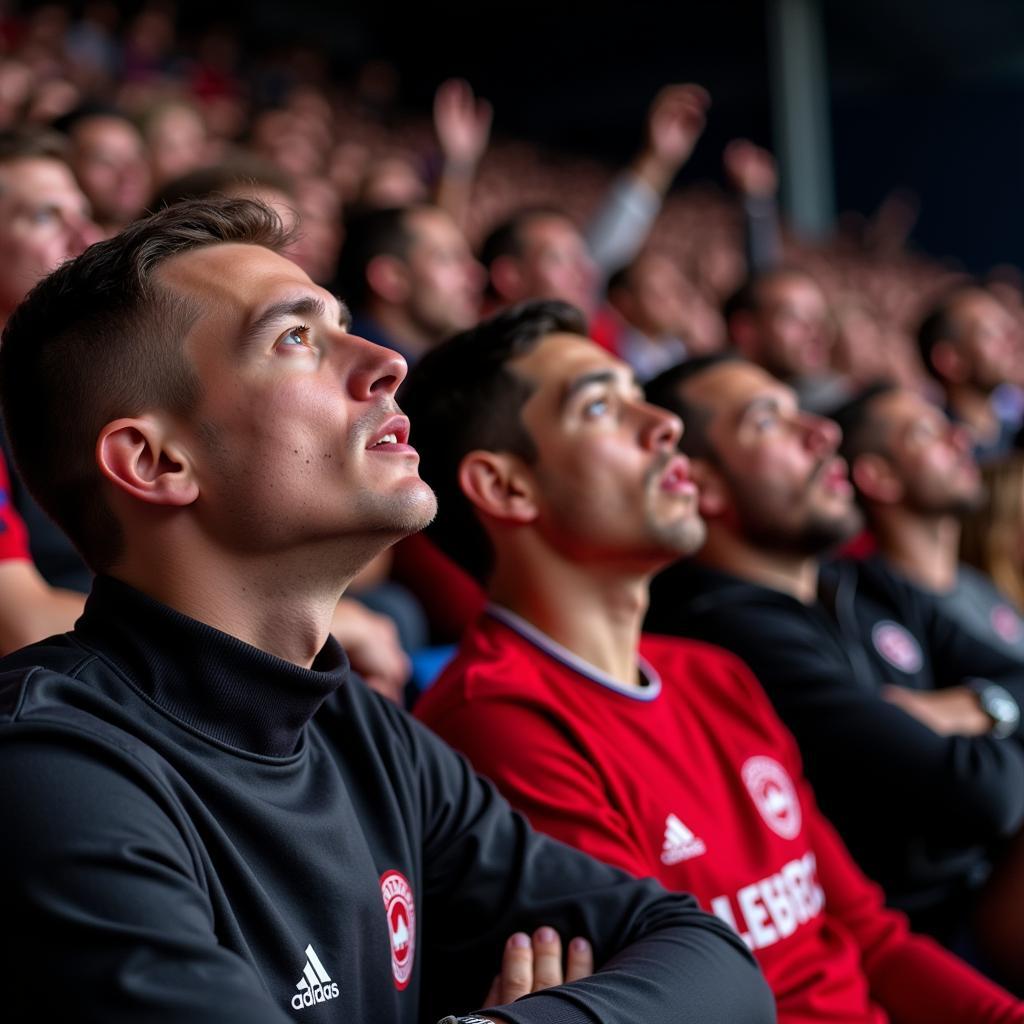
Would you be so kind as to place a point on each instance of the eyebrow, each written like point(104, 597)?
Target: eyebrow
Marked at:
point(302, 307)
point(585, 380)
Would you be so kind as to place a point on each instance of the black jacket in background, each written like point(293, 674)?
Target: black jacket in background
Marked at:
point(197, 831)
point(920, 812)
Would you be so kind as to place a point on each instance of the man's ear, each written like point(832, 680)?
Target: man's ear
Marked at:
point(499, 485)
point(388, 277)
point(713, 490)
point(137, 457)
point(949, 363)
point(507, 278)
point(875, 478)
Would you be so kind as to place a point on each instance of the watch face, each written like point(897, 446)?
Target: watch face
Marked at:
point(1003, 709)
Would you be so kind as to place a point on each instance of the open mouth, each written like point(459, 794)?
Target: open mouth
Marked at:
point(391, 437)
point(676, 477)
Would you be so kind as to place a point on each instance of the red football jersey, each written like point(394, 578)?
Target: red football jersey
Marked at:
point(693, 779)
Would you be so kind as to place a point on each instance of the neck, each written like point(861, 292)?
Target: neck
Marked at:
point(793, 574)
point(282, 604)
point(402, 330)
point(973, 407)
point(595, 612)
point(924, 548)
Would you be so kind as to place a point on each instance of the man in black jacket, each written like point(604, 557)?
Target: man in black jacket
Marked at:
point(205, 818)
point(922, 792)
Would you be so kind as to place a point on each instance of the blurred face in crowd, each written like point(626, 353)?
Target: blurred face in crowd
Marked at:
point(926, 461)
point(608, 483)
point(554, 264)
point(44, 220)
point(774, 479)
point(177, 141)
point(654, 300)
point(987, 339)
point(789, 333)
point(110, 163)
point(439, 284)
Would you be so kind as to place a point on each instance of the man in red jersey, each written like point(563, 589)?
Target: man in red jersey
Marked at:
point(563, 490)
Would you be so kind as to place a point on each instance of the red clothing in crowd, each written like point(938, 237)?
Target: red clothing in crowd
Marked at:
point(13, 534)
point(693, 779)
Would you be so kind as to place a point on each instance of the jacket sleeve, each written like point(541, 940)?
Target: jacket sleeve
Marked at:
point(487, 874)
point(954, 789)
point(958, 655)
point(101, 902)
point(913, 977)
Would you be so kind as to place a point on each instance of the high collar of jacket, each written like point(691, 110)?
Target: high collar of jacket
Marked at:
point(211, 681)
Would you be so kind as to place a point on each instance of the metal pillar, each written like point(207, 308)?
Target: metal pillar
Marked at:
point(800, 110)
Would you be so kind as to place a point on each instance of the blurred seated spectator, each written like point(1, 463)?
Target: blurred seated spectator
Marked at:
point(915, 477)
point(969, 342)
point(109, 159)
point(177, 140)
point(781, 320)
point(992, 538)
point(665, 319)
point(44, 220)
point(409, 277)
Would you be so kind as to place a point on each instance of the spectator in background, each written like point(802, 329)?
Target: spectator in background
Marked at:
point(969, 342)
point(409, 277)
point(539, 253)
point(915, 478)
point(992, 538)
point(924, 784)
point(563, 491)
point(664, 318)
point(44, 220)
point(109, 159)
point(177, 140)
point(780, 320)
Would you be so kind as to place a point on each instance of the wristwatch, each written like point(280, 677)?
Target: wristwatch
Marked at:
point(998, 704)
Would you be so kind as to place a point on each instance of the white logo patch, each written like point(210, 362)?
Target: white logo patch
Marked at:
point(1006, 622)
point(680, 843)
point(400, 909)
point(897, 646)
point(773, 794)
point(315, 985)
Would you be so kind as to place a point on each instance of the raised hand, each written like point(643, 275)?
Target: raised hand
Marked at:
point(751, 169)
point(462, 122)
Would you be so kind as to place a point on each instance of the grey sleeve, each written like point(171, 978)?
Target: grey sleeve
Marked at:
point(105, 918)
point(762, 239)
point(488, 874)
point(619, 229)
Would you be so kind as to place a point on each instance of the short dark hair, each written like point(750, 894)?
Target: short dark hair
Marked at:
point(939, 323)
point(32, 144)
point(666, 390)
point(98, 339)
point(462, 396)
point(862, 433)
point(238, 171)
point(370, 233)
